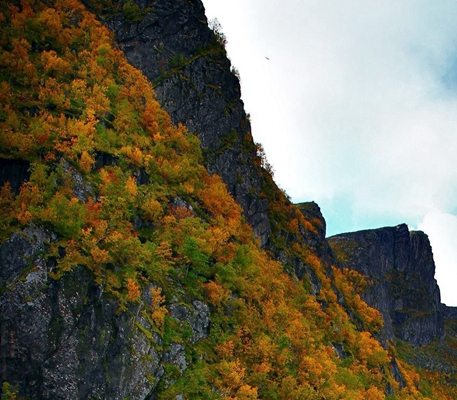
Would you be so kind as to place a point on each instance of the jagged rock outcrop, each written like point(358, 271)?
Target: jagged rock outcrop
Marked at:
point(316, 237)
point(65, 339)
point(399, 264)
point(195, 83)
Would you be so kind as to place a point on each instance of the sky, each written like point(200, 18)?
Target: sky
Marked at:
point(355, 103)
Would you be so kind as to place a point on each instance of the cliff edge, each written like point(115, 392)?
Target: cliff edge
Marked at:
point(400, 267)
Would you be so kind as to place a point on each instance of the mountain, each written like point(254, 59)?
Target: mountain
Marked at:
point(145, 249)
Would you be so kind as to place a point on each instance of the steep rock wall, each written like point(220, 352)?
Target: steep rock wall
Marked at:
point(400, 266)
point(65, 339)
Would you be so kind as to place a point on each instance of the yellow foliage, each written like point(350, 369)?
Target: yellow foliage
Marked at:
point(73, 258)
point(246, 392)
point(371, 350)
point(231, 376)
point(215, 197)
point(350, 283)
point(53, 63)
point(158, 310)
point(133, 290)
point(372, 393)
point(51, 18)
point(410, 377)
point(131, 186)
point(51, 92)
point(152, 209)
point(272, 334)
point(136, 156)
point(86, 161)
point(98, 101)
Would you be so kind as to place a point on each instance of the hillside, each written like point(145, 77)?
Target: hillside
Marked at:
point(146, 252)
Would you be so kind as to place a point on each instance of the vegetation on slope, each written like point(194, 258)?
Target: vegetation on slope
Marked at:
point(128, 198)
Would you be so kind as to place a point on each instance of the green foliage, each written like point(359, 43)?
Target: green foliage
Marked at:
point(8, 391)
point(65, 215)
point(133, 12)
point(177, 61)
point(262, 159)
point(195, 258)
point(193, 384)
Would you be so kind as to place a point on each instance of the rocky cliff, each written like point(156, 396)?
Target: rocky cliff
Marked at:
point(401, 270)
point(171, 43)
point(195, 83)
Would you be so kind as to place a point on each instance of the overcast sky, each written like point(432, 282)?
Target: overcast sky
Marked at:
point(355, 103)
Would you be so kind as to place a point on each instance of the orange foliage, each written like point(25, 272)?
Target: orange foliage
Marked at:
point(216, 294)
point(232, 381)
point(226, 349)
point(350, 283)
point(54, 64)
point(410, 377)
point(371, 351)
point(24, 215)
point(216, 199)
point(100, 256)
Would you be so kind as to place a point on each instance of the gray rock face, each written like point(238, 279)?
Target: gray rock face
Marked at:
point(449, 312)
point(65, 339)
point(401, 269)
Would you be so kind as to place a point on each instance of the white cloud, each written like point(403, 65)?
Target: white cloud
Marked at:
point(357, 106)
point(442, 232)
